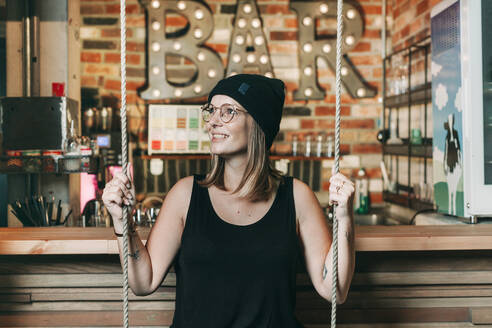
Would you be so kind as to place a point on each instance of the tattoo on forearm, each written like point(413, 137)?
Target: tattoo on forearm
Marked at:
point(135, 255)
point(325, 271)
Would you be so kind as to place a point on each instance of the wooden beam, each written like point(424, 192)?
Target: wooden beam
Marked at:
point(84, 319)
point(482, 315)
point(368, 238)
point(70, 280)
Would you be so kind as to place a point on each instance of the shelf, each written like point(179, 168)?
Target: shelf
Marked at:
point(424, 151)
point(176, 156)
point(206, 156)
point(420, 95)
point(404, 200)
point(48, 164)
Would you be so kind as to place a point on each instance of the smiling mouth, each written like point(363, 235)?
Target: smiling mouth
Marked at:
point(219, 136)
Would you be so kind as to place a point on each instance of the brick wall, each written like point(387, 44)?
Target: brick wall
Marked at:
point(360, 118)
point(409, 21)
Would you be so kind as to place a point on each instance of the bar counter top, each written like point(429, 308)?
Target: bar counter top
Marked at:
point(34, 241)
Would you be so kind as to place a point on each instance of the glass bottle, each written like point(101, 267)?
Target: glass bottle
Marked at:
point(307, 151)
point(319, 145)
point(295, 145)
point(329, 146)
point(361, 200)
point(72, 150)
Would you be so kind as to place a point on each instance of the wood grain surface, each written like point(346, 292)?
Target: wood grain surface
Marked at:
point(368, 238)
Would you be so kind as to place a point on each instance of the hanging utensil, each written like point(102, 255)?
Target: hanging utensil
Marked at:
point(58, 212)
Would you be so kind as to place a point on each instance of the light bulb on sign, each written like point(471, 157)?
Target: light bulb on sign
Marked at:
point(156, 46)
point(263, 59)
point(241, 23)
point(239, 39)
point(259, 40)
point(177, 46)
point(178, 93)
point(247, 8)
point(200, 56)
point(306, 21)
point(361, 92)
point(199, 14)
point(308, 70)
point(236, 58)
point(155, 4)
point(326, 48)
point(350, 40)
point(307, 47)
point(181, 5)
point(198, 33)
point(256, 23)
point(323, 8)
point(211, 73)
point(156, 70)
point(344, 71)
point(251, 58)
point(156, 93)
point(156, 25)
point(350, 14)
point(197, 89)
point(308, 92)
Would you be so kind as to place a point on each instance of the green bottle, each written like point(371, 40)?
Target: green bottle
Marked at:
point(362, 193)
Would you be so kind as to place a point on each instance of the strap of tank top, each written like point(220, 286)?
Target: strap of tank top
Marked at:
point(288, 188)
point(195, 198)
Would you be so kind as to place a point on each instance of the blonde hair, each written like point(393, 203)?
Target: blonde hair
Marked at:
point(260, 178)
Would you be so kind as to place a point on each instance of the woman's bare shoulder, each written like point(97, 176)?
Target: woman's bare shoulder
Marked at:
point(304, 198)
point(182, 188)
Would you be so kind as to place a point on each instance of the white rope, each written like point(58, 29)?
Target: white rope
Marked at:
point(124, 158)
point(338, 91)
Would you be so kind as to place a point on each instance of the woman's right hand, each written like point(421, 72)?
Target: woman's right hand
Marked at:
point(118, 192)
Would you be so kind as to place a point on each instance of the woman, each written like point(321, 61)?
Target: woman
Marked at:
point(234, 235)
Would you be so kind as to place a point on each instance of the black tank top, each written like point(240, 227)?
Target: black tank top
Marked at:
point(231, 276)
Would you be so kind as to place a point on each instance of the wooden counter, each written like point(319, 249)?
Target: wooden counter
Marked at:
point(405, 276)
point(22, 241)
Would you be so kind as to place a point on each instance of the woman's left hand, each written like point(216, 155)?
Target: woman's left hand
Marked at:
point(342, 194)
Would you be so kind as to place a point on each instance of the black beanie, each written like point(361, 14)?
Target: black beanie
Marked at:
point(261, 96)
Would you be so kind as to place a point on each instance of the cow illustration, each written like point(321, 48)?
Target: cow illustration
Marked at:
point(453, 166)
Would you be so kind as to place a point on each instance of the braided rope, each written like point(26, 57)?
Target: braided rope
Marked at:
point(124, 158)
point(338, 91)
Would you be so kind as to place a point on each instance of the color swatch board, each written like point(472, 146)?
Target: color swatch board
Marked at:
point(177, 129)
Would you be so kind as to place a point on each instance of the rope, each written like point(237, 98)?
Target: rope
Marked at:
point(124, 160)
point(338, 91)
point(124, 157)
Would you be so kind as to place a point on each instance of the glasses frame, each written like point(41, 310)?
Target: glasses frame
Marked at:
point(221, 108)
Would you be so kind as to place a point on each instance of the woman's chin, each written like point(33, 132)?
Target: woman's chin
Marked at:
point(219, 151)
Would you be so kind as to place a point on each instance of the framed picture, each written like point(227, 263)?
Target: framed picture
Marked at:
point(177, 129)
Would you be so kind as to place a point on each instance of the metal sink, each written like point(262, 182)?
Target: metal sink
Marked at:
point(375, 219)
point(378, 216)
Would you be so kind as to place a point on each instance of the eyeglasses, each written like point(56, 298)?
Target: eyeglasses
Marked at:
point(227, 112)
